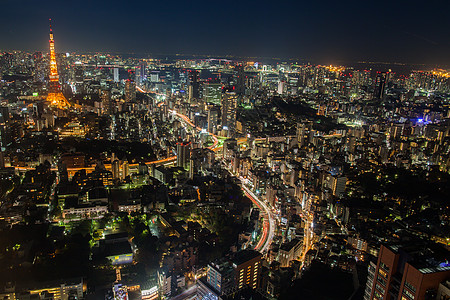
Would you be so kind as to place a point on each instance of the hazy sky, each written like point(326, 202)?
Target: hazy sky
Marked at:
point(323, 31)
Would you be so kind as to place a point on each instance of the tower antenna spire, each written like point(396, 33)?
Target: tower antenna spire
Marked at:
point(55, 96)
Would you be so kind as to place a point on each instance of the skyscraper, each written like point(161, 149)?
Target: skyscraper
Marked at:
point(142, 72)
point(281, 87)
point(130, 90)
point(4, 114)
point(115, 167)
point(380, 85)
point(105, 96)
point(212, 92)
point(125, 169)
point(55, 96)
point(116, 75)
point(183, 154)
point(213, 116)
point(194, 84)
point(229, 106)
point(407, 272)
point(240, 79)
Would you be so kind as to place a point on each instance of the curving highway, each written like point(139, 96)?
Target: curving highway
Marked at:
point(269, 225)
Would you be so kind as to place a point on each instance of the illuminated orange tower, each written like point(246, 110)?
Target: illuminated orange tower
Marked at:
point(55, 96)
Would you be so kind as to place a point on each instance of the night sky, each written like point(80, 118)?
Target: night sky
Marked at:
point(327, 31)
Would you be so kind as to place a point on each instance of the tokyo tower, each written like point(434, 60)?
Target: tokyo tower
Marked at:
point(55, 96)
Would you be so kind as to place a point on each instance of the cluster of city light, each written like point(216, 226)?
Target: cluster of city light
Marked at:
point(335, 68)
point(441, 73)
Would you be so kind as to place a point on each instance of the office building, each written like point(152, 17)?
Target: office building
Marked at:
point(125, 169)
point(408, 272)
point(380, 85)
point(213, 119)
point(116, 74)
point(289, 251)
point(183, 154)
point(225, 277)
point(338, 184)
point(130, 90)
point(229, 106)
point(194, 87)
point(281, 87)
point(247, 266)
point(240, 79)
point(105, 96)
point(220, 276)
point(115, 167)
point(4, 114)
point(212, 93)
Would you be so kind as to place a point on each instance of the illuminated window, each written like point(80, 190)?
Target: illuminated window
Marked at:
point(408, 294)
point(382, 273)
point(384, 266)
point(410, 286)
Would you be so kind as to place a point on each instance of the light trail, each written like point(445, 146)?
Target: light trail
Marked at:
point(269, 222)
point(187, 120)
point(187, 294)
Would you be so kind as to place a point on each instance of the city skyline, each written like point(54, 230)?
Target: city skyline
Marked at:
point(326, 33)
point(144, 176)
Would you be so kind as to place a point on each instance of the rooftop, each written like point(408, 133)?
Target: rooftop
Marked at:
point(244, 256)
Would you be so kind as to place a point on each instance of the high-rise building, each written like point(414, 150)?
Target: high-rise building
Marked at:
point(116, 75)
point(240, 79)
point(5, 137)
point(142, 72)
point(4, 114)
point(39, 68)
point(281, 87)
point(302, 130)
point(380, 85)
point(194, 84)
point(154, 76)
point(224, 277)
point(55, 96)
point(408, 272)
point(183, 154)
point(130, 90)
point(212, 92)
point(338, 184)
point(213, 119)
point(125, 169)
point(247, 266)
point(115, 167)
point(229, 107)
point(105, 96)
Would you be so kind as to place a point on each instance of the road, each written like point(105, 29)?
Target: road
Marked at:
point(269, 222)
point(269, 226)
point(190, 293)
point(187, 120)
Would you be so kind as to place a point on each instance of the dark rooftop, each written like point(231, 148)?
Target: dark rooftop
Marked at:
point(244, 256)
